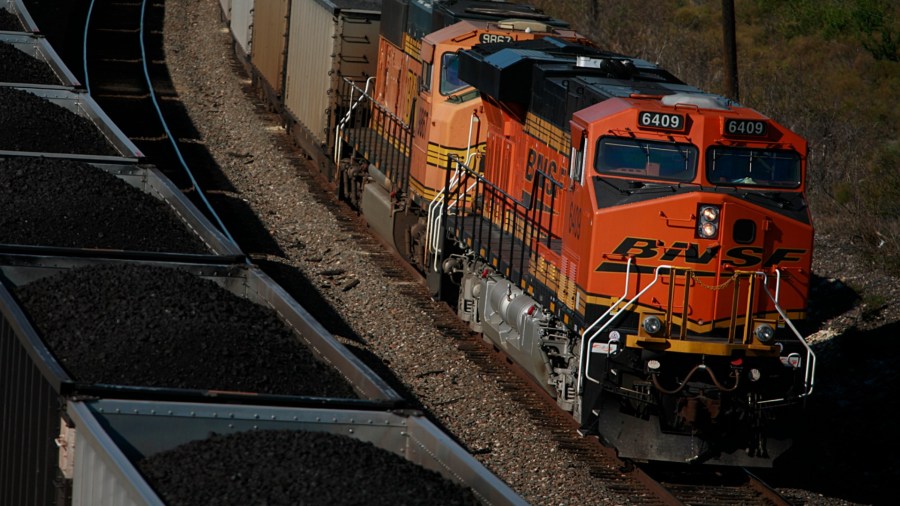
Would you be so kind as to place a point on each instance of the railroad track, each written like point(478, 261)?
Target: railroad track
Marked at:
point(127, 74)
point(118, 82)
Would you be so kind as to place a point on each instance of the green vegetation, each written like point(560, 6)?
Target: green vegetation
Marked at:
point(871, 23)
point(827, 69)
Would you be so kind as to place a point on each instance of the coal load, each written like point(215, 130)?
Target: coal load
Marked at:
point(294, 467)
point(31, 123)
point(9, 22)
point(91, 208)
point(150, 326)
point(20, 67)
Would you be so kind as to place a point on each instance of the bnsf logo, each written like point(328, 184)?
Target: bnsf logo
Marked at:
point(740, 256)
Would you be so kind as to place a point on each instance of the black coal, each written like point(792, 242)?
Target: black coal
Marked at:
point(20, 67)
point(64, 203)
point(294, 467)
point(9, 22)
point(31, 123)
point(141, 325)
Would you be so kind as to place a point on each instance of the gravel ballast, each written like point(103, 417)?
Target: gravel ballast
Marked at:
point(20, 67)
point(151, 326)
point(31, 123)
point(91, 209)
point(279, 467)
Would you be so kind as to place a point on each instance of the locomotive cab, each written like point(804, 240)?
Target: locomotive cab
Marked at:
point(701, 336)
point(449, 111)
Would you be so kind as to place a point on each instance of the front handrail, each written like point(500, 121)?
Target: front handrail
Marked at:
point(617, 307)
point(596, 334)
point(809, 374)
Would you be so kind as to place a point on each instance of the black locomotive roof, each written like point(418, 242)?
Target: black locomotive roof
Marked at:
point(356, 5)
point(418, 18)
point(449, 12)
point(555, 78)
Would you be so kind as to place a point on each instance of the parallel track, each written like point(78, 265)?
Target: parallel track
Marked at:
point(118, 83)
point(118, 35)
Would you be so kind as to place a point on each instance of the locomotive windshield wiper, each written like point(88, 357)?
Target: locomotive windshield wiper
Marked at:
point(778, 198)
point(621, 191)
point(646, 188)
point(641, 187)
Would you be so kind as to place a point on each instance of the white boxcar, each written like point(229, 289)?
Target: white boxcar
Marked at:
point(328, 40)
point(242, 26)
point(226, 9)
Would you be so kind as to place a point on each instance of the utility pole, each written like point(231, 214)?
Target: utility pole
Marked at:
point(731, 71)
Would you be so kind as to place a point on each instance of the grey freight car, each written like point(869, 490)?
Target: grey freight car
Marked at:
point(17, 8)
point(33, 382)
point(109, 435)
point(145, 178)
point(41, 50)
point(81, 105)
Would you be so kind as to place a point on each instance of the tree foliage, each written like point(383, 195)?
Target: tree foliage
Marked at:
point(873, 23)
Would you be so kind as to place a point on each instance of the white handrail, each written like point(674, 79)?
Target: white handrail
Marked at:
point(810, 373)
point(436, 209)
point(338, 139)
point(597, 332)
point(432, 225)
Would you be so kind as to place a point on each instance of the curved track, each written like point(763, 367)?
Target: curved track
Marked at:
point(125, 72)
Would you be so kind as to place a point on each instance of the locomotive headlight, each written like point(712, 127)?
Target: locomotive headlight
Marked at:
point(708, 230)
point(708, 221)
point(709, 213)
point(652, 325)
point(765, 333)
point(754, 375)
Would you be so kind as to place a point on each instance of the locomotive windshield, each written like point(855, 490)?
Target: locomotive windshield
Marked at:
point(753, 167)
point(450, 81)
point(646, 159)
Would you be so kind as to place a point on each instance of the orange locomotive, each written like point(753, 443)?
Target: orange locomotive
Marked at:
point(415, 112)
point(639, 246)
